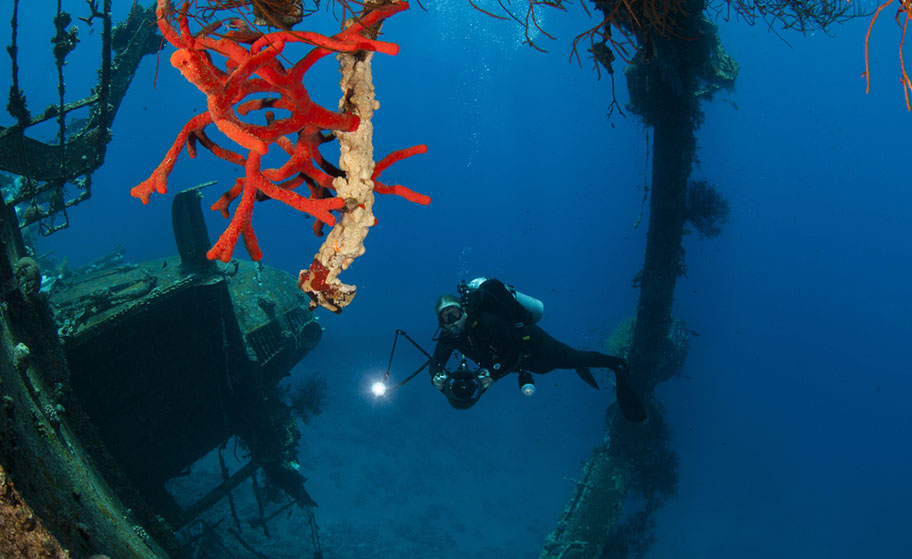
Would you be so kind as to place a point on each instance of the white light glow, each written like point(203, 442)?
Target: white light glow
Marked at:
point(378, 388)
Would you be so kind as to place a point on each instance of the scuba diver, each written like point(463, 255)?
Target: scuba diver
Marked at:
point(494, 325)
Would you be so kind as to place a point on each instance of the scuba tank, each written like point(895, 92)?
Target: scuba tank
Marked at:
point(532, 308)
point(521, 310)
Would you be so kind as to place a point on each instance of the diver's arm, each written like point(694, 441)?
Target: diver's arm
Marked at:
point(442, 351)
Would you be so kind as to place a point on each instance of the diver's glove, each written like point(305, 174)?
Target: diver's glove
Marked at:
point(485, 378)
point(439, 380)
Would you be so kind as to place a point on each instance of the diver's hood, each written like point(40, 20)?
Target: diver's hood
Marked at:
point(445, 305)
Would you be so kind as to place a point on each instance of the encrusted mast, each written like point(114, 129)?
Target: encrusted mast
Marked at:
point(254, 79)
point(346, 241)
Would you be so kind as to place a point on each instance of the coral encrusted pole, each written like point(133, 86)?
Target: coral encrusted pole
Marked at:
point(664, 83)
point(356, 159)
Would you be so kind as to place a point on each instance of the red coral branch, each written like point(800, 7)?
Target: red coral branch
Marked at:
point(251, 66)
point(158, 181)
point(905, 9)
point(239, 224)
point(398, 189)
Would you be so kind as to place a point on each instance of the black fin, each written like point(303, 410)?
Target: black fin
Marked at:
point(585, 374)
point(630, 404)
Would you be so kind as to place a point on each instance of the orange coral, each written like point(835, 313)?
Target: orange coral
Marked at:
point(252, 67)
point(905, 8)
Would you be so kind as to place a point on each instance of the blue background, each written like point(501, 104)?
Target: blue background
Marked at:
point(791, 418)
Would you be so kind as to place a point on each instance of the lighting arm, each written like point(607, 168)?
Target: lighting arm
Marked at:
point(380, 387)
point(393, 353)
point(413, 375)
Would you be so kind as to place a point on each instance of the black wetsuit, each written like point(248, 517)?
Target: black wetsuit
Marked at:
point(499, 346)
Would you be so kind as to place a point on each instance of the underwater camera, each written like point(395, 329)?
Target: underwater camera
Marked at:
point(462, 387)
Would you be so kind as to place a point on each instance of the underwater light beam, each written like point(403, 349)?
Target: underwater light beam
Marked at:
point(378, 389)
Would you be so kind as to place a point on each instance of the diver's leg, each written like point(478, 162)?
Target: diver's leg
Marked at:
point(597, 359)
point(552, 354)
point(547, 353)
point(630, 404)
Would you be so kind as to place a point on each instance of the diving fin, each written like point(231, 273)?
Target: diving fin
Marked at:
point(631, 406)
point(585, 374)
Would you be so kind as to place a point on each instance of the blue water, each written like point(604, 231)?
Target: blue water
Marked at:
point(791, 419)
